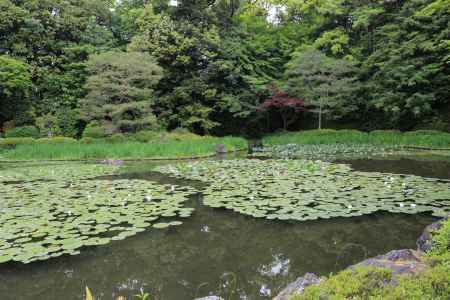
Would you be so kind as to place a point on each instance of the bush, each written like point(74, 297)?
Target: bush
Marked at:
point(56, 140)
point(319, 132)
point(87, 140)
point(16, 141)
point(22, 132)
point(425, 132)
point(95, 131)
point(116, 139)
point(386, 132)
point(147, 136)
point(181, 134)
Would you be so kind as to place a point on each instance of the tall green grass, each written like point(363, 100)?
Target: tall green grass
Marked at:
point(127, 150)
point(431, 139)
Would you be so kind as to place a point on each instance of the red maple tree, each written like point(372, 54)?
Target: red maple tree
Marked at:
point(288, 107)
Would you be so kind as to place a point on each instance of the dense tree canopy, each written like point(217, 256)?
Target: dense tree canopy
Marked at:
point(379, 64)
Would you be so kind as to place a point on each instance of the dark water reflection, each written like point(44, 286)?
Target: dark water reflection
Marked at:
point(218, 252)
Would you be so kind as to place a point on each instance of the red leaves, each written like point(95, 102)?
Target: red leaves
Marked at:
point(283, 100)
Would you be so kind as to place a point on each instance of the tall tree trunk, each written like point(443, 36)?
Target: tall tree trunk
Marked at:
point(320, 114)
point(284, 117)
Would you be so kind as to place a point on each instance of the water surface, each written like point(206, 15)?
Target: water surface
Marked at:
point(220, 252)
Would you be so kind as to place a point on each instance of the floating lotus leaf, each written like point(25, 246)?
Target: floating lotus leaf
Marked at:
point(308, 190)
point(161, 225)
point(59, 209)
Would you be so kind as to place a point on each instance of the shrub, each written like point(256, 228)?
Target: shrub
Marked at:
point(116, 139)
point(147, 136)
point(56, 140)
point(441, 244)
point(181, 134)
point(386, 132)
point(95, 131)
point(48, 125)
point(22, 132)
point(16, 141)
point(87, 140)
point(424, 132)
point(318, 132)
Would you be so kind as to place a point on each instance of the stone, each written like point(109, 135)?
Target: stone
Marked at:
point(298, 286)
point(400, 262)
point(210, 298)
point(424, 243)
point(221, 149)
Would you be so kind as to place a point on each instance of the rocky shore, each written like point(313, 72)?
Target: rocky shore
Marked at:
point(401, 262)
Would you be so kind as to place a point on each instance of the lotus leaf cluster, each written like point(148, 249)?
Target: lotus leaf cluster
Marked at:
point(308, 190)
point(41, 219)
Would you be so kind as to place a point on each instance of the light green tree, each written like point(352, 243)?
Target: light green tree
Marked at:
point(324, 82)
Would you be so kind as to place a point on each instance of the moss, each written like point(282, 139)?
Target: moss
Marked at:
point(348, 284)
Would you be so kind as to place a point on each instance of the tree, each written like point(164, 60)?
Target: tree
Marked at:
point(120, 90)
point(324, 82)
point(15, 88)
point(408, 75)
point(288, 107)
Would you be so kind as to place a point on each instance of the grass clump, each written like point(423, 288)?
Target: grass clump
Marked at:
point(372, 283)
point(128, 150)
point(390, 138)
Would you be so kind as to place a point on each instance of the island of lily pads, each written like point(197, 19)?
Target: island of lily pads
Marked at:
point(50, 211)
point(303, 190)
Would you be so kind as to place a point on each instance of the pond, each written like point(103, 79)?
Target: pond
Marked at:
point(217, 251)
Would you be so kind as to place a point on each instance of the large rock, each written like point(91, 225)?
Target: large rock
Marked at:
point(401, 262)
point(298, 286)
point(424, 243)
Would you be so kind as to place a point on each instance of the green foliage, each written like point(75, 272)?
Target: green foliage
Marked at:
point(371, 283)
point(24, 131)
point(381, 64)
point(325, 83)
point(147, 136)
point(48, 125)
point(15, 88)
point(441, 245)
point(16, 141)
point(55, 38)
point(93, 130)
point(56, 140)
point(120, 91)
point(115, 139)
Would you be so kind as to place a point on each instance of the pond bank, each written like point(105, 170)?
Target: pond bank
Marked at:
point(199, 148)
point(387, 138)
point(398, 263)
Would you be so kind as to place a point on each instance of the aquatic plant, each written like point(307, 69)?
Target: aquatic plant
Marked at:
point(324, 151)
point(52, 211)
point(308, 190)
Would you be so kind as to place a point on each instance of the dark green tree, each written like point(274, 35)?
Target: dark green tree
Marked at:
point(120, 91)
point(15, 90)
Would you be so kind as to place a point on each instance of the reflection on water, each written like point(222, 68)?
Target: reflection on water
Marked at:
point(214, 252)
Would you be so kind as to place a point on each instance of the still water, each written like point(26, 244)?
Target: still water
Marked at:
point(220, 252)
